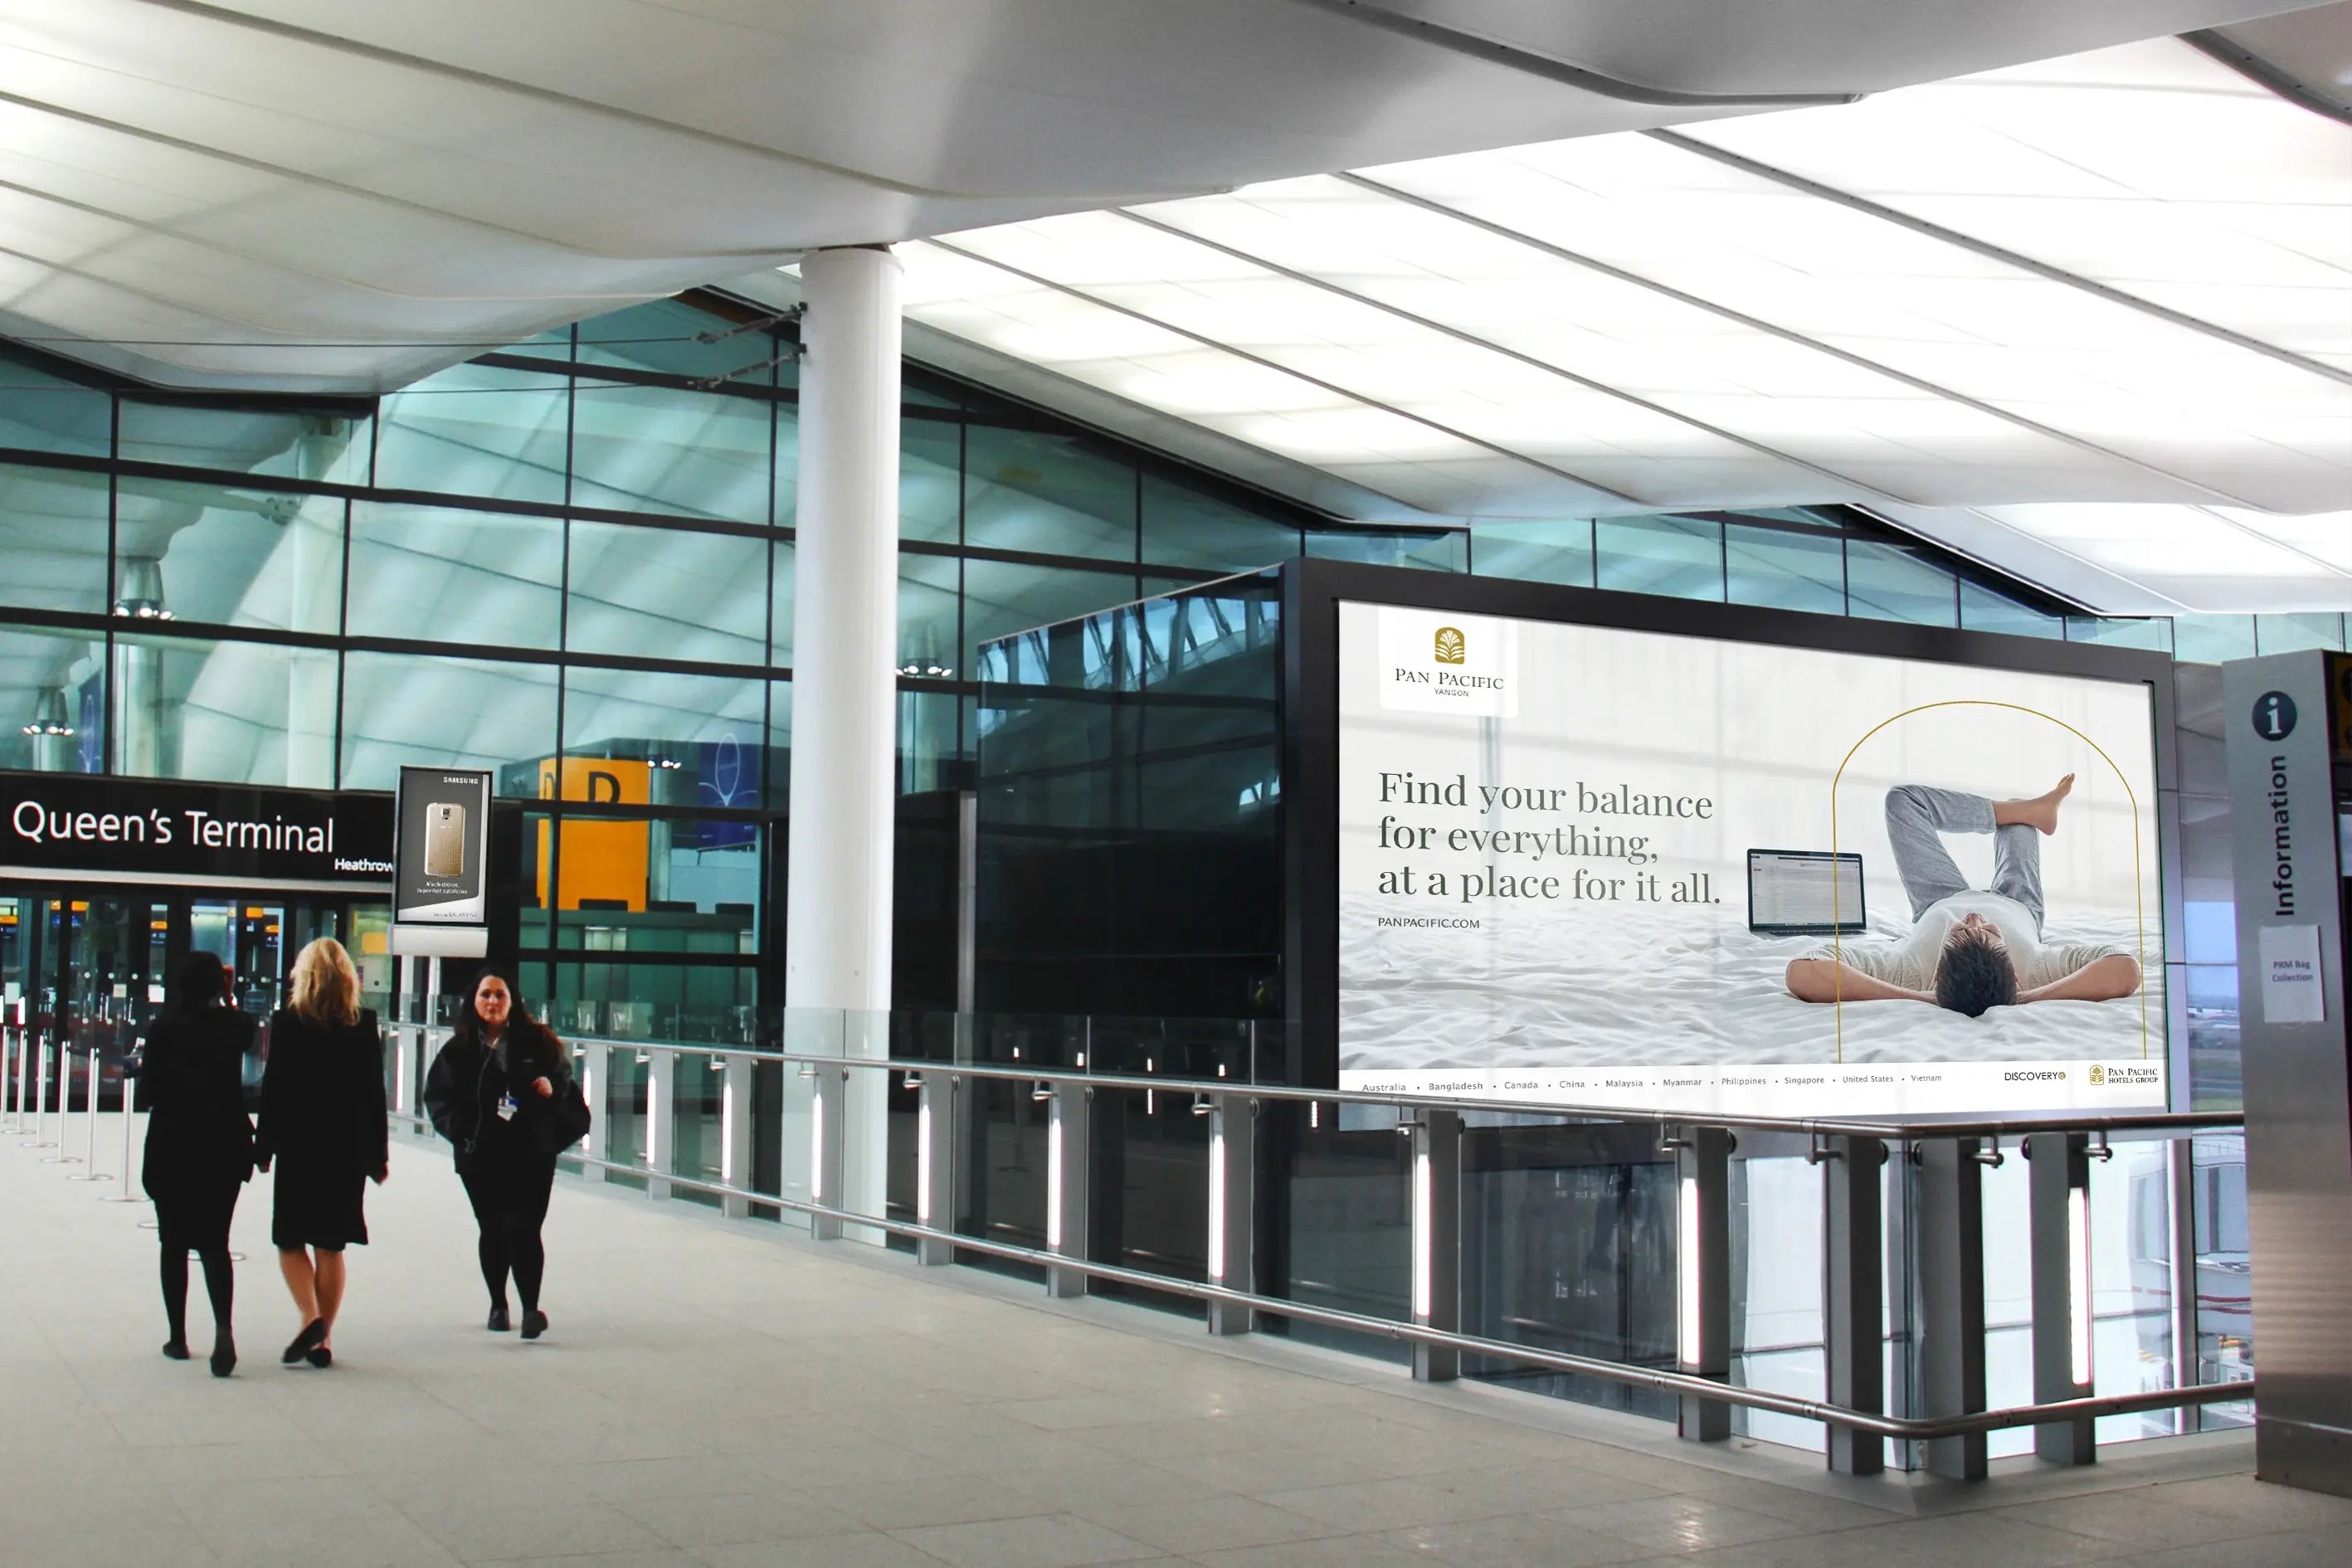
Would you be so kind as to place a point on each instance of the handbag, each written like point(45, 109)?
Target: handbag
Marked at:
point(565, 1121)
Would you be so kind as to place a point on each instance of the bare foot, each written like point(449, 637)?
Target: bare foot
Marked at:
point(2039, 811)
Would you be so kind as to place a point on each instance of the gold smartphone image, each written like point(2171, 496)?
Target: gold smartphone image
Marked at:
point(444, 839)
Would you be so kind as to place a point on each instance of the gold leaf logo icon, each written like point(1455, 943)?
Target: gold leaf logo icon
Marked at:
point(1450, 647)
point(2098, 1074)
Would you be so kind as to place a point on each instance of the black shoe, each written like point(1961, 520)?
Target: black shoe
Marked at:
point(534, 1323)
point(498, 1323)
point(321, 1356)
point(223, 1356)
point(303, 1343)
point(177, 1349)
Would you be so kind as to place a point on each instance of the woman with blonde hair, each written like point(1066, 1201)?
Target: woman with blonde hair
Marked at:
point(322, 1122)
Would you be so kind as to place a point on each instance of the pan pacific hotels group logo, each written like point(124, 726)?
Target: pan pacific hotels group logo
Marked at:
point(1434, 662)
point(2098, 1076)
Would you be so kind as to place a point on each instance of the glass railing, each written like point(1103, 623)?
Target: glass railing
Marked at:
point(1606, 1255)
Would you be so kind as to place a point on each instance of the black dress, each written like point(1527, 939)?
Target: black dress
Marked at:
point(322, 1122)
point(199, 1143)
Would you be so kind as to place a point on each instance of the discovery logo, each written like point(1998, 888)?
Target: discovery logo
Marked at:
point(1436, 662)
point(2034, 1075)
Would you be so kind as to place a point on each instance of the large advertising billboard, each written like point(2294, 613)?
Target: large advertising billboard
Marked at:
point(1583, 864)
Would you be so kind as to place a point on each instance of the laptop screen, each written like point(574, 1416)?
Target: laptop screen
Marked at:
point(1804, 892)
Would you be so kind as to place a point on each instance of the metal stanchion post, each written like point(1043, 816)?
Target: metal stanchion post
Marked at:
point(89, 1171)
point(129, 1193)
point(1232, 1248)
point(16, 1057)
point(65, 1106)
point(2058, 1244)
point(1436, 1239)
point(39, 1139)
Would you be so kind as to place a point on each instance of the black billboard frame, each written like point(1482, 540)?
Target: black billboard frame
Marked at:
point(1312, 590)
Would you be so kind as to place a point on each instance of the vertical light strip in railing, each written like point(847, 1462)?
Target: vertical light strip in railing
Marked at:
point(22, 1055)
point(595, 1079)
point(1854, 1295)
point(1950, 1250)
point(1436, 1179)
point(828, 1091)
point(1702, 1276)
point(737, 1117)
point(2188, 1355)
point(2058, 1195)
point(936, 1109)
point(661, 1106)
point(1233, 1135)
point(1069, 1166)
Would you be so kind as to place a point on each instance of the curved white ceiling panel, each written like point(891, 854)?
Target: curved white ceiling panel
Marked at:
point(310, 194)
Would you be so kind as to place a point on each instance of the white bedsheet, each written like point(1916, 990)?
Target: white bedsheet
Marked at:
point(1659, 987)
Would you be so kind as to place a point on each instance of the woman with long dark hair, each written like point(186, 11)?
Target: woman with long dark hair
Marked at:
point(199, 1143)
point(495, 1092)
point(323, 1119)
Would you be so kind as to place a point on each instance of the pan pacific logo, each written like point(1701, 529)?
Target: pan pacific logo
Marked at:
point(1451, 646)
point(2098, 1076)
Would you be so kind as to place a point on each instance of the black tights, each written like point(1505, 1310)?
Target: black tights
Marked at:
point(207, 1234)
point(509, 1206)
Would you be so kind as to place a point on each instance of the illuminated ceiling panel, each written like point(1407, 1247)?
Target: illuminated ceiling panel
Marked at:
point(2090, 319)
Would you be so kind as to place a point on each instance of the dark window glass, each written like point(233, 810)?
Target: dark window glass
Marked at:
point(241, 558)
point(928, 748)
point(660, 593)
point(1890, 583)
point(2155, 632)
point(44, 413)
point(240, 712)
point(478, 431)
point(1001, 598)
point(444, 575)
point(1430, 549)
point(2213, 639)
point(53, 538)
point(665, 335)
point(930, 481)
point(1550, 551)
point(931, 601)
point(2291, 634)
point(1982, 610)
point(287, 444)
point(1678, 556)
point(440, 711)
point(1048, 494)
point(1181, 527)
point(1784, 571)
point(52, 701)
point(666, 449)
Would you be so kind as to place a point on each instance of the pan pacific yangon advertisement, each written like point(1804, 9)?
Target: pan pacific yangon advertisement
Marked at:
point(1587, 866)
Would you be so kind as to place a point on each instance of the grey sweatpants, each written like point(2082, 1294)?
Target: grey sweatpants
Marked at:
point(1916, 818)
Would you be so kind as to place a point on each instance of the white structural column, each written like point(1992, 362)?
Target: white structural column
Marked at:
point(844, 718)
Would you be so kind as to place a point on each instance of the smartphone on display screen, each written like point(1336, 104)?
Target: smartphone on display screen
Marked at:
point(444, 839)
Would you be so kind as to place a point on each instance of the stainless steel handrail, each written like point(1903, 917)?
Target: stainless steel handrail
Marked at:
point(1826, 1127)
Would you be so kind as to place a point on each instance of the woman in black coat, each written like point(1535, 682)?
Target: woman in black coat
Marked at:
point(322, 1122)
point(199, 1143)
point(496, 1092)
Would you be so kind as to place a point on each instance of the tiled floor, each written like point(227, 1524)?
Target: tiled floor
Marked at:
point(718, 1396)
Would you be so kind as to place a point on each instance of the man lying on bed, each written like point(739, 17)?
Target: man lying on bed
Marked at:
point(1970, 949)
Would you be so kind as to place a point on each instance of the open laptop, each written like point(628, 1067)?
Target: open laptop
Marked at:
point(1804, 892)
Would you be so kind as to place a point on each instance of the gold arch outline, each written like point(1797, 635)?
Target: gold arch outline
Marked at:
point(1837, 921)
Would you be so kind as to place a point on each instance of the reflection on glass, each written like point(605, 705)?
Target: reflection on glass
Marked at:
point(439, 574)
point(1548, 552)
point(475, 430)
point(666, 449)
point(234, 557)
point(53, 537)
point(1784, 571)
point(672, 592)
point(52, 701)
point(1982, 610)
point(1430, 549)
point(446, 712)
point(1678, 556)
point(1053, 495)
point(293, 446)
point(1892, 583)
point(238, 712)
point(1003, 596)
point(42, 412)
point(1183, 527)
